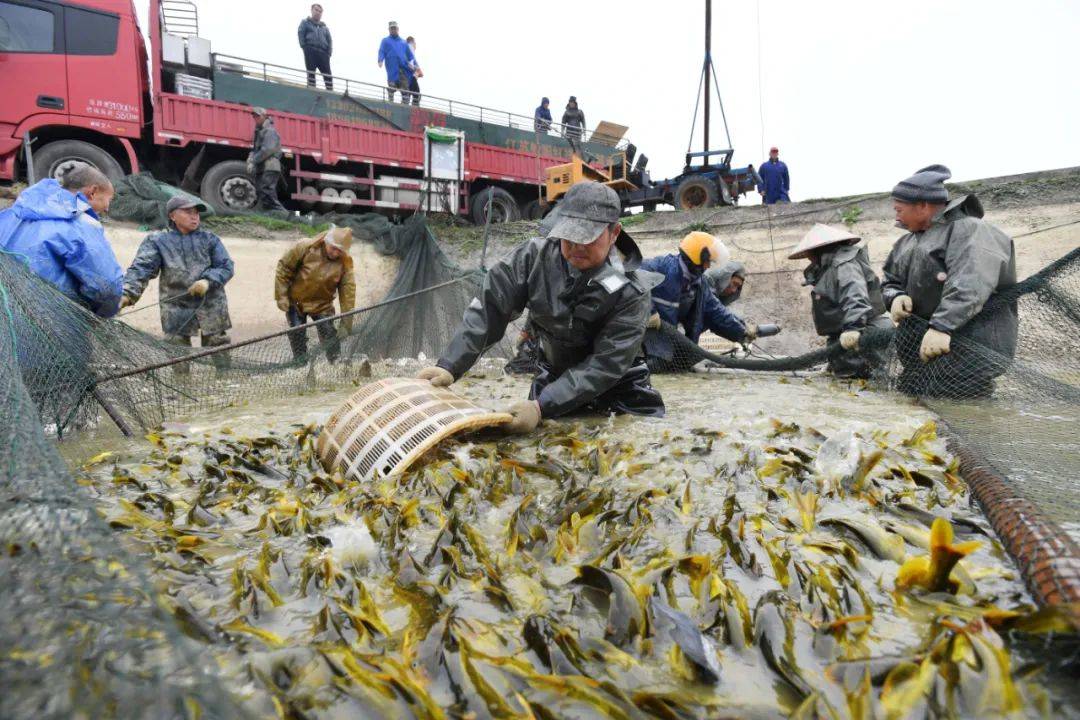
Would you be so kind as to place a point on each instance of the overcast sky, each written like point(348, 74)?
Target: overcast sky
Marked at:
point(856, 94)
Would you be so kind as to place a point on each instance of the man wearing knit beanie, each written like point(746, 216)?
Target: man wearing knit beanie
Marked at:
point(938, 279)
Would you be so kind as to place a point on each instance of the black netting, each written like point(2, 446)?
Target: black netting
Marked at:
point(140, 198)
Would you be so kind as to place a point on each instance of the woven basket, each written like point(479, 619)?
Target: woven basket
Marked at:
point(385, 426)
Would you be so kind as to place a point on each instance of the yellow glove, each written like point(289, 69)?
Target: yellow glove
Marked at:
point(849, 340)
point(283, 304)
point(437, 376)
point(653, 323)
point(901, 308)
point(751, 333)
point(199, 288)
point(126, 301)
point(934, 344)
point(526, 417)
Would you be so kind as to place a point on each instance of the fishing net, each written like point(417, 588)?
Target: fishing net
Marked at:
point(141, 198)
point(1018, 413)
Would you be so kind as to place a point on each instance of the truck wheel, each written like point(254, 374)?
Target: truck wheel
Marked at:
point(534, 210)
point(48, 160)
point(229, 188)
point(695, 192)
point(504, 208)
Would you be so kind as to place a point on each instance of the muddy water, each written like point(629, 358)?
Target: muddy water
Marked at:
point(737, 557)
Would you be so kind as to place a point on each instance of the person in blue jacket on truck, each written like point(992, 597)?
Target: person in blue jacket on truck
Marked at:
point(54, 227)
point(684, 298)
point(397, 57)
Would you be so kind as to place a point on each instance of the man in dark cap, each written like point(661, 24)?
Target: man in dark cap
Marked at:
point(264, 162)
point(588, 303)
point(939, 277)
point(194, 267)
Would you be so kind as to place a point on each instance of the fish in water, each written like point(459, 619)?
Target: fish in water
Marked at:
point(932, 572)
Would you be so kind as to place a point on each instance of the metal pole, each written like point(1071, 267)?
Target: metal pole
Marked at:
point(111, 412)
point(708, 67)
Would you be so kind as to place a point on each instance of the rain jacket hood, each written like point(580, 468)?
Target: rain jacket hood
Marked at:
point(720, 277)
point(62, 240)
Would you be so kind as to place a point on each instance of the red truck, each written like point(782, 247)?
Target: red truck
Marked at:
point(77, 83)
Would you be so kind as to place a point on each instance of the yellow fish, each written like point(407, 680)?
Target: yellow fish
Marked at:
point(932, 571)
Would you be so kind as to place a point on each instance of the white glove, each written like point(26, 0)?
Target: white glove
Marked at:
point(751, 333)
point(934, 344)
point(849, 339)
point(653, 323)
point(526, 417)
point(901, 308)
point(199, 288)
point(437, 376)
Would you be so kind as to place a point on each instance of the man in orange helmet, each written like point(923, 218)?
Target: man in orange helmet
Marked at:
point(684, 298)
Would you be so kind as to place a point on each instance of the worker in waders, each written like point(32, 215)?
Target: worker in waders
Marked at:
point(685, 299)
point(194, 267)
point(264, 162)
point(941, 282)
point(308, 276)
point(845, 296)
point(588, 302)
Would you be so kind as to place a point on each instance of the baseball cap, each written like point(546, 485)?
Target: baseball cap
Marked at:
point(774, 149)
point(584, 212)
point(257, 111)
point(183, 202)
point(393, 23)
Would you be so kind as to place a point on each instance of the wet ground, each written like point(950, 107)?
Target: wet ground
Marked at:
point(740, 557)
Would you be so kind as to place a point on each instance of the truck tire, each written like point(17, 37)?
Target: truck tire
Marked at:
point(48, 159)
point(504, 207)
point(696, 192)
point(534, 210)
point(229, 189)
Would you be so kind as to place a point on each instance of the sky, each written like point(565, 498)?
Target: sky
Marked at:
point(856, 95)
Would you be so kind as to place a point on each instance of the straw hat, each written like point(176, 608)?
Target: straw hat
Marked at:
point(821, 236)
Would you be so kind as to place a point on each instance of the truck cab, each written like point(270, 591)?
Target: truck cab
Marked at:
point(74, 80)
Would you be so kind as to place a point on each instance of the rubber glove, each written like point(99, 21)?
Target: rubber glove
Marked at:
point(849, 339)
point(283, 304)
point(437, 376)
point(126, 301)
point(526, 417)
point(653, 323)
point(934, 344)
point(901, 308)
point(199, 288)
point(342, 331)
point(751, 333)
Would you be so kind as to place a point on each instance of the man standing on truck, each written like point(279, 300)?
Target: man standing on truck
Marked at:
point(573, 120)
point(317, 45)
point(415, 73)
point(587, 304)
point(308, 276)
point(194, 267)
point(941, 283)
point(264, 162)
point(542, 116)
point(775, 181)
point(395, 54)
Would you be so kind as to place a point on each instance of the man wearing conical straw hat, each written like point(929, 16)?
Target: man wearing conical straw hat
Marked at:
point(845, 295)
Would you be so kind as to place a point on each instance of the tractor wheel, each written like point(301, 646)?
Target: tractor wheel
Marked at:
point(696, 192)
point(48, 160)
point(504, 208)
point(229, 189)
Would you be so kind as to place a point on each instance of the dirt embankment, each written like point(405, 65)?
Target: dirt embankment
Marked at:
point(760, 237)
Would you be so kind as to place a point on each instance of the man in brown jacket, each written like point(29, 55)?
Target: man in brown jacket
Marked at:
point(308, 275)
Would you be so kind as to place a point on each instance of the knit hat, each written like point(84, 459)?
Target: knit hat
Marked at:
point(927, 185)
